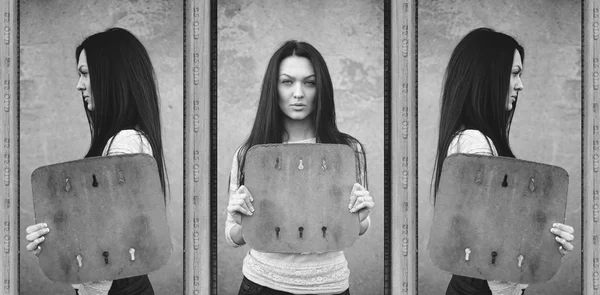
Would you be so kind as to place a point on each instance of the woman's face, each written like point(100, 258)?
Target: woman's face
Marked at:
point(83, 84)
point(296, 87)
point(516, 84)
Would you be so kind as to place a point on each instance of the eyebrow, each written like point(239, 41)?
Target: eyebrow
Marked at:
point(310, 76)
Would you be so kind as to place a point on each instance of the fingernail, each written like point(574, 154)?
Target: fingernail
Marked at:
point(43, 238)
point(252, 209)
point(47, 230)
point(555, 225)
point(45, 225)
point(553, 230)
point(557, 238)
point(250, 213)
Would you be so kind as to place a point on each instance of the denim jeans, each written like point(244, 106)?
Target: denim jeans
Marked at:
point(249, 287)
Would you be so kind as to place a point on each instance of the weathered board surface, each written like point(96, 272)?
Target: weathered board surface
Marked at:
point(99, 210)
point(499, 211)
point(301, 194)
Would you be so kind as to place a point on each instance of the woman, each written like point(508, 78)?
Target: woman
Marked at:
point(296, 106)
point(480, 93)
point(120, 98)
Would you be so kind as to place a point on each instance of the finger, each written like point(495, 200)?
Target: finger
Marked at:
point(361, 206)
point(37, 251)
point(564, 228)
point(34, 244)
point(354, 195)
point(32, 236)
point(566, 245)
point(358, 201)
point(244, 190)
point(238, 208)
point(248, 202)
point(233, 203)
point(567, 236)
point(562, 251)
point(35, 227)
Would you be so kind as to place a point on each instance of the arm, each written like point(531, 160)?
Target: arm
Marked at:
point(240, 202)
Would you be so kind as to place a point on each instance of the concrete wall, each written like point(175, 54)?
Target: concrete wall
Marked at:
point(53, 123)
point(547, 123)
point(349, 35)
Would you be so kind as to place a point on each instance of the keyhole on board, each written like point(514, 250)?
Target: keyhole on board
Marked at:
point(324, 229)
point(277, 164)
point(300, 230)
point(105, 254)
point(504, 183)
point(277, 229)
point(95, 182)
point(494, 255)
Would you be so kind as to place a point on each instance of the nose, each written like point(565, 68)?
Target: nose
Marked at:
point(80, 85)
point(519, 85)
point(298, 91)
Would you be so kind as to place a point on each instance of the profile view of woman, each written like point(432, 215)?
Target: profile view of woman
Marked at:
point(296, 106)
point(120, 98)
point(479, 98)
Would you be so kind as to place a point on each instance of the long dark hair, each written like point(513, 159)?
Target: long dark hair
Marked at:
point(124, 91)
point(475, 91)
point(268, 125)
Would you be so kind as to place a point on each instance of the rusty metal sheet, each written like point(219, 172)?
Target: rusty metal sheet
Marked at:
point(500, 211)
point(98, 210)
point(301, 194)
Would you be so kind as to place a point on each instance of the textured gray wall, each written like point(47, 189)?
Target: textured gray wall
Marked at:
point(547, 123)
point(53, 123)
point(349, 35)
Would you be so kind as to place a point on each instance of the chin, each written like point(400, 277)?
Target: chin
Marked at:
point(298, 117)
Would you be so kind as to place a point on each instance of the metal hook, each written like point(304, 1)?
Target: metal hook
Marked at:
point(324, 165)
point(467, 252)
point(67, 185)
point(121, 177)
point(277, 166)
point(300, 166)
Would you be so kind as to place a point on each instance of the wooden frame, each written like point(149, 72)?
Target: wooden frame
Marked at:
point(403, 151)
point(591, 146)
point(9, 116)
point(200, 147)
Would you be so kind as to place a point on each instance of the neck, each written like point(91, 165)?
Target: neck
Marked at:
point(297, 130)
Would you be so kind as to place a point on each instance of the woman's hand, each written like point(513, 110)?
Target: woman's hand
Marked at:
point(240, 202)
point(35, 235)
point(361, 202)
point(564, 236)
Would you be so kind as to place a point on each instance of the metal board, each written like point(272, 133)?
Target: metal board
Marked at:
point(499, 211)
point(301, 194)
point(98, 210)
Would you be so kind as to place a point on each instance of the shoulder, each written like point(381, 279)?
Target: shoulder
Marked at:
point(127, 141)
point(472, 141)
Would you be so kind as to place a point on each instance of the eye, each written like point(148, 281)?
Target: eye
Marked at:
point(286, 81)
point(310, 83)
